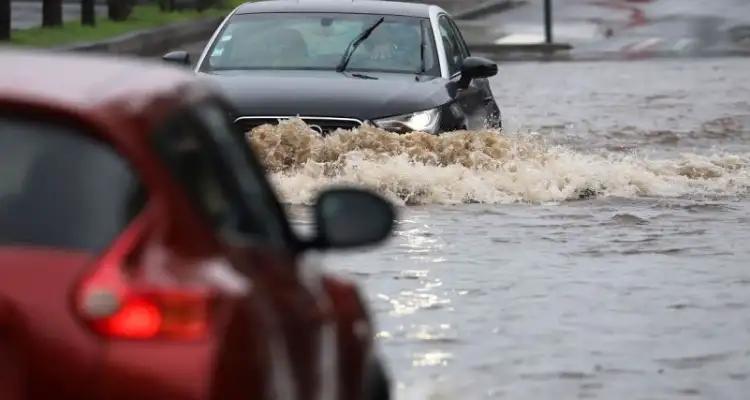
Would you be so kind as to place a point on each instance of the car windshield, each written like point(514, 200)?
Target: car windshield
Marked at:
point(60, 188)
point(313, 41)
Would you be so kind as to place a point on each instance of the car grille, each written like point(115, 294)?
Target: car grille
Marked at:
point(324, 125)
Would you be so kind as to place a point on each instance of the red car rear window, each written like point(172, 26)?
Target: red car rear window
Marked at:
point(60, 188)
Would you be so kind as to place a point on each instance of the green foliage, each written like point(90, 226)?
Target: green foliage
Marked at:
point(142, 17)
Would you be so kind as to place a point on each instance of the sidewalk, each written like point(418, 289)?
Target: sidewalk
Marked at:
point(28, 14)
point(448, 5)
point(458, 8)
point(622, 29)
point(467, 11)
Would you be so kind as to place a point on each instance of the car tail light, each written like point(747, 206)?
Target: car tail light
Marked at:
point(114, 307)
point(147, 315)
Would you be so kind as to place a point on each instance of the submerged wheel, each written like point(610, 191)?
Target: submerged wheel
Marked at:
point(496, 119)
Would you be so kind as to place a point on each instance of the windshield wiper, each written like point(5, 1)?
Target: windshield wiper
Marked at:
point(355, 43)
point(363, 76)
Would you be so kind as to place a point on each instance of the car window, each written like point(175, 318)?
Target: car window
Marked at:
point(463, 47)
point(246, 170)
point(207, 155)
point(315, 41)
point(60, 188)
point(452, 45)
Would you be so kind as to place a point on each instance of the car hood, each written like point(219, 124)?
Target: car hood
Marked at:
point(328, 93)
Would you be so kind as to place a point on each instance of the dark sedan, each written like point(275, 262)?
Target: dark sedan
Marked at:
point(338, 64)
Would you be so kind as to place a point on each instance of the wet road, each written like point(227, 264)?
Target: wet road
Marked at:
point(599, 250)
point(629, 28)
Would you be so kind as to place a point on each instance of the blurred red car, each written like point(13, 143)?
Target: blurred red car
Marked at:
point(143, 254)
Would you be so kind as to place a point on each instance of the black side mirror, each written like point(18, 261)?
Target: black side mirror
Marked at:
point(180, 57)
point(476, 68)
point(347, 218)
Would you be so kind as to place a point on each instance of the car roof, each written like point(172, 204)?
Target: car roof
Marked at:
point(338, 6)
point(87, 85)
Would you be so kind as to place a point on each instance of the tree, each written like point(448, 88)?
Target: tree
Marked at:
point(88, 12)
point(119, 10)
point(4, 19)
point(52, 12)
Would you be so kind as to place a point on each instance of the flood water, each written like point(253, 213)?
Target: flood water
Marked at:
point(598, 248)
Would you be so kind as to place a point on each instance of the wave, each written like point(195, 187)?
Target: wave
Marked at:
point(479, 167)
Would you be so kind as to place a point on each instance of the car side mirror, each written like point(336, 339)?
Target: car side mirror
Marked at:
point(347, 218)
point(476, 68)
point(180, 57)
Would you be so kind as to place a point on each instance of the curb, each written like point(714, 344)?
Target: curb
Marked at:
point(487, 7)
point(507, 55)
point(528, 52)
point(151, 42)
point(520, 48)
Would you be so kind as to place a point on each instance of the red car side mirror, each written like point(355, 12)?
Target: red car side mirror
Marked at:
point(347, 218)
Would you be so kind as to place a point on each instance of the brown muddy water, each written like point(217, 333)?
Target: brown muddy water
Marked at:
point(597, 248)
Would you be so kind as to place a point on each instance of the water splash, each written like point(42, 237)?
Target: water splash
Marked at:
point(479, 167)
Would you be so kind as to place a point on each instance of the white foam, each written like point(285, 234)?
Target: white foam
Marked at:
point(481, 166)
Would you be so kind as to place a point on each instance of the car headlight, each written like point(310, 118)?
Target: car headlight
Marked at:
point(422, 121)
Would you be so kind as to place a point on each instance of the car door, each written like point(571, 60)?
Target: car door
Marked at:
point(474, 99)
point(239, 203)
point(492, 117)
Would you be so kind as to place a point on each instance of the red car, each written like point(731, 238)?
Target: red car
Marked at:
point(143, 254)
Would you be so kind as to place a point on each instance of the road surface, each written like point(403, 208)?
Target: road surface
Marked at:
point(631, 28)
point(599, 250)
